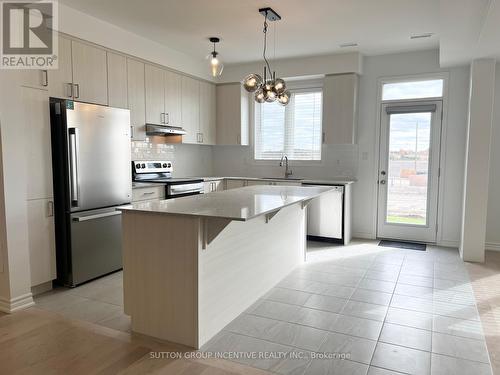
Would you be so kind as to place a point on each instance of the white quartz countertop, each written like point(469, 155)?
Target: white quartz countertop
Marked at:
point(240, 204)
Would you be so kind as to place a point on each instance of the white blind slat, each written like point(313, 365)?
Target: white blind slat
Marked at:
point(294, 130)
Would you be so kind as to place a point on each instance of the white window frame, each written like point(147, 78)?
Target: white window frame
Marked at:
point(293, 86)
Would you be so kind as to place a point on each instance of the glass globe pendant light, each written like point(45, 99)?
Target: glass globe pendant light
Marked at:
point(267, 90)
point(216, 66)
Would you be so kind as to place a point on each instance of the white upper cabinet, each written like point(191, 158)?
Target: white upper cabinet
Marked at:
point(136, 98)
point(117, 80)
point(232, 115)
point(90, 78)
point(207, 114)
point(155, 95)
point(340, 95)
point(173, 99)
point(190, 110)
point(60, 80)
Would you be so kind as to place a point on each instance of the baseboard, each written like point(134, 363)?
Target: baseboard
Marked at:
point(363, 235)
point(15, 304)
point(493, 246)
point(448, 243)
point(41, 288)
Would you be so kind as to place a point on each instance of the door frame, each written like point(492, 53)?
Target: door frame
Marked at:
point(444, 75)
point(427, 233)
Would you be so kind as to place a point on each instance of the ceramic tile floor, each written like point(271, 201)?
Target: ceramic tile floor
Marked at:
point(375, 310)
point(385, 311)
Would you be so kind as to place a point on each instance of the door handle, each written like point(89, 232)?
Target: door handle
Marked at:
point(96, 216)
point(50, 208)
point(45, 78)
point(73, 165)
point(69, 90)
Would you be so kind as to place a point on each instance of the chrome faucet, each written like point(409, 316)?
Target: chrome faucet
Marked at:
point(288, 171)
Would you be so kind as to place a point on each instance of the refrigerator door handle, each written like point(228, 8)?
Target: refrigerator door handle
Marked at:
point(73, 165)
point(96, 216)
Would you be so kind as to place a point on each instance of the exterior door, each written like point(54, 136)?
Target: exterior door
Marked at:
point(409, 170)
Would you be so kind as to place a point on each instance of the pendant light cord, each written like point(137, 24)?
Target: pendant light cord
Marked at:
point(265, 45)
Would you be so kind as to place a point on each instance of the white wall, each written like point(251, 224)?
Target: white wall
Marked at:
point(453, 154)
point(15, 281)
point(303, 66)
point(84, 26)
point(236, 161)
point(493, 220)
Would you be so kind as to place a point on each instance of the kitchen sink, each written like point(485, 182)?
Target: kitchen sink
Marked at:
point(282, 178)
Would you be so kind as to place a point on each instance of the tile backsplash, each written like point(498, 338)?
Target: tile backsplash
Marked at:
point(188, 160)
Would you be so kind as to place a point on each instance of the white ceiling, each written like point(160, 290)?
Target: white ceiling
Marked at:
point(313, 27)
point(469, 30)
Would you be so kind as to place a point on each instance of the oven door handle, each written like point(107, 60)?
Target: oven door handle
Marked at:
point(187, 188)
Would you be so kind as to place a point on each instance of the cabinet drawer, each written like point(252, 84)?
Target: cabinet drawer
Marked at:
point(148, 193)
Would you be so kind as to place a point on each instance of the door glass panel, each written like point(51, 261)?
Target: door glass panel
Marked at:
point(413, 90)
point(408, 169)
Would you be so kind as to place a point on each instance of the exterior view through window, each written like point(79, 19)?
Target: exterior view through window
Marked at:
point(294, 130)
point(413, 90)
point(408, 170)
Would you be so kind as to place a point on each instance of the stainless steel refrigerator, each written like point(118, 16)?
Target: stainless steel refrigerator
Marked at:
point(92, 176)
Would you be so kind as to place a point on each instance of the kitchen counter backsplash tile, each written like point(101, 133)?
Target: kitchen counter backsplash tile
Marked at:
point(147, 150)
point(188, 160)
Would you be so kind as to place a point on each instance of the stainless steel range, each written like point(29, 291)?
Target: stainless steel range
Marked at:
point(158, 171)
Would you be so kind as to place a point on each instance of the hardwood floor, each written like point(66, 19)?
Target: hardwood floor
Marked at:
point(36, 341)
point(485, 280)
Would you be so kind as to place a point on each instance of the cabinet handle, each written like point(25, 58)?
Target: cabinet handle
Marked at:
point(148, 193)
point(45, 78)
point(77, 90)
point(162, 118)
point(201, 134)
point(323, 137)
point(167, 118)
point(50, 208)
point(238, 139)
point(132, 131)
point(70, 91)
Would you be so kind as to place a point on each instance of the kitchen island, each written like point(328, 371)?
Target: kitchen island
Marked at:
point(193, 264)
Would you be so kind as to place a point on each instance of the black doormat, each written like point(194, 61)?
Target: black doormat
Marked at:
point(403, 245)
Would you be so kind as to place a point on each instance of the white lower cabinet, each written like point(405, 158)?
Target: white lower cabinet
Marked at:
point(148, 193)
point(234, 184)
point(41, 241)
point(212, 186)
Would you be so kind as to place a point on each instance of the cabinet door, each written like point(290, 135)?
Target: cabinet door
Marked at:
point(136, 98)
point(35, 78)
point(90, 76)
point(190, 109)
point(232, 115)
point(218, 185)
point(234, 184)
point(207, 113)
point(173, 99)
point(60, 79)
point(117, 80)
point(38, 143)
point(155, 95)
point(340, 109)
point(41, 241)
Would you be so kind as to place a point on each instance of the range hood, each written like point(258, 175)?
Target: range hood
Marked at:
point(154, 129)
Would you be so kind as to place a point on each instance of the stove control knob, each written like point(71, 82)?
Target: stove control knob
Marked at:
point(138, 166)
point(169, 165)
point(165, 165)
point(143, 165)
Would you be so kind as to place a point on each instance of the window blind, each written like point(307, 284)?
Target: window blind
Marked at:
point(294, 130)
